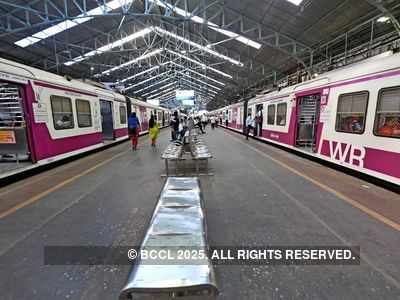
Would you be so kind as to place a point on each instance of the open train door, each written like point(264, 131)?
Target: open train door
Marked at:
point(14, 145)
point(107, 122)
point(308, 108)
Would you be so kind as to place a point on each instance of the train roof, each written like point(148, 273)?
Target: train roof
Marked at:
point(377, 64)
point(22, 72)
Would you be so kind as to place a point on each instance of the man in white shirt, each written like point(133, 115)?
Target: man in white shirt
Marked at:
point(212, 120)
point(204, 121)
point(249, 125)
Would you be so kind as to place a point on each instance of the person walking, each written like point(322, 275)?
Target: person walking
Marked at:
point(213, 122)
point(249, 125)
point(153, 130)
point(133, 129)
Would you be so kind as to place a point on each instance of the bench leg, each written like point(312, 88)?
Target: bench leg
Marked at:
point(166, 167)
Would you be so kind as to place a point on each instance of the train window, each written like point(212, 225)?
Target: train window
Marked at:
point(62, 112)
point(271, 114)
point(351, 112)
point(387, 118)
point(122, 114)
point(281, 114)
point(83, 113)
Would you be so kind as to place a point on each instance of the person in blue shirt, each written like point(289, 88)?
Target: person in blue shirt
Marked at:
point(133, 129)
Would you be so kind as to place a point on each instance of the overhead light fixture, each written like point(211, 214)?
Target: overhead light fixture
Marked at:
point(138, 74)
point(198, 46)
point(164, 93)
point(211, 25)
point(155, 95)
point(176, 64)
point(201, 88)
point(201, 81)
point(159, 89)
point(144, 81)
point(197, 73)
point(199, 63)
point(135, 60)
point(110, 46)
point(383, 19)
point(68, 24)
point(151, 85)
point(295, 2)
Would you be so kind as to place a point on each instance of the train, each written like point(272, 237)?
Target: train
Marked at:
point(46, 117)
point(349, 116)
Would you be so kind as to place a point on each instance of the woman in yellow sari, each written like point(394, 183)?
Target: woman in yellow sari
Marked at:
point(153, 130)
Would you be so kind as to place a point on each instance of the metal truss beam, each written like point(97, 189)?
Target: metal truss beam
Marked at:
point(379, 5)
point(214, 14)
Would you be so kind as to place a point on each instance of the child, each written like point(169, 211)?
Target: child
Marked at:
point(153, 130)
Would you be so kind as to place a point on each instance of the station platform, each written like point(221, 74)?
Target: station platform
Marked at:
point(258, 196)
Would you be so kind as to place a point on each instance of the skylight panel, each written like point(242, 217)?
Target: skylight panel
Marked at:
point(110, 46)
point(68, 24)
point(212, 26)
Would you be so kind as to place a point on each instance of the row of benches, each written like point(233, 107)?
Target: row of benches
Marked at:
point(193, 145)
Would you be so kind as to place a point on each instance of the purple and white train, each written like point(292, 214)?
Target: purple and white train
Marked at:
point(46, 117)
point(349, 116)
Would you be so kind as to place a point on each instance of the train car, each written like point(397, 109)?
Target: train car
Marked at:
point(349, 116)
point(45, 117)
point(145, 110)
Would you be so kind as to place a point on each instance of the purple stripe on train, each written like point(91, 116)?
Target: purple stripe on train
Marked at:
point(120, 132)
point(364, 157)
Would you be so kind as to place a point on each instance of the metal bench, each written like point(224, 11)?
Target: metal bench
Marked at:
point(178, 221)
point(172, 153)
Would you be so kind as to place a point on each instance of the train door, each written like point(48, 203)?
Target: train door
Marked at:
point(14, 144)
point(307, 118)
point(259, 119)
point(244, 114)
point(107, 119)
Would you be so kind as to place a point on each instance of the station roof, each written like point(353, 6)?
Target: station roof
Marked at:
point(218, 48)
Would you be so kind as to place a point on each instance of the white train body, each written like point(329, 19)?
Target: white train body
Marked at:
point(350, 116)
point(47, 117)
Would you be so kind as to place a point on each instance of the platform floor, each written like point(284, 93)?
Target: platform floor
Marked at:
point(259, 195)
point(9, 166)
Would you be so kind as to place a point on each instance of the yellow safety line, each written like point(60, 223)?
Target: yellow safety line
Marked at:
point(61, 184)
point(354, 203)
point(56, 187)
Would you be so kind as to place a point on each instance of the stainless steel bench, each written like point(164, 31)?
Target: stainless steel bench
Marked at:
point(178, 221)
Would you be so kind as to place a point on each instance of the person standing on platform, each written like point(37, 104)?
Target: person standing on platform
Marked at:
point(153, 130)
point(212, 120)
point(183, 128)
point(249, 125)
point(174, 126)
point(133, 129)
point(204, 121)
